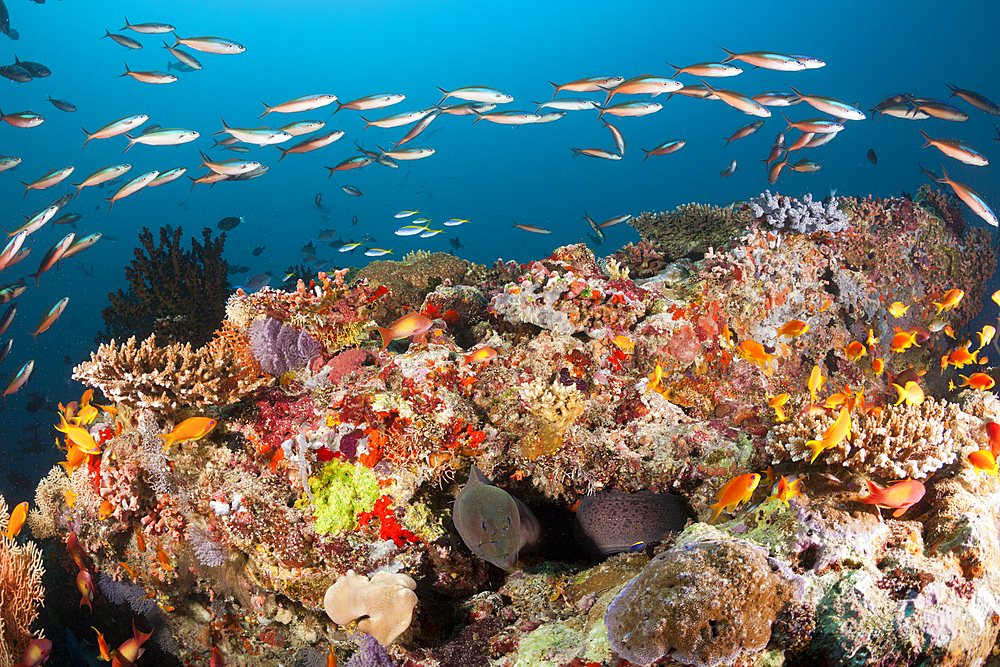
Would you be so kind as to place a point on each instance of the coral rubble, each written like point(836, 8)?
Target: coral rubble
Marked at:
point(634, 385)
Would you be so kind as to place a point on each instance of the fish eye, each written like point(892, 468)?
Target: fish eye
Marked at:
point(484, 526)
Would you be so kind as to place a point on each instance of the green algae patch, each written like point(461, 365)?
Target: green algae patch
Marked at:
point(342, 491)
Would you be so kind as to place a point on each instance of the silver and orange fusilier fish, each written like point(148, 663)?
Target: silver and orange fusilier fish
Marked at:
point(375, 101)
point(130, 188)
point(766, 60)
point(745, 130)
point(355, 162)
point(507, 117)
point(590, 84)
point(114, 128)
point(19, 379)
point(646, 84)
point(301, 127)
point(37, 221)
point(831, 106)
point(102, 175)
point(631, 109)
point(257, 136)
point(53, 255)
point(729, 171)
point(708, 69)
point(407, 153)
point(82, 244)
point(665, 148)
point(477, 94)
point(311, 144)
point(168, 176)
point(596, 152)
point(216, 45)
point(150, 76)
point(53, 177)
point(814, 125)
point(163, 137)
point(230, 167)
point(50, 317)
point(396, 119)
point(304, 103)
point(970, 197)
point(533, 229)
point(739, 101)
point(956, 149)
point(981, 102)
point(124, 40)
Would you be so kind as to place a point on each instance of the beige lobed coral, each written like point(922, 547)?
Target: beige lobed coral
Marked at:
point(898, 442)
point(387, 600)
point(21, 592)
point(49, 497)
point(165, 378)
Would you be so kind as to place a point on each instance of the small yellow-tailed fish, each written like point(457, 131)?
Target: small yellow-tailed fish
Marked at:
point(480, 356)
point(102, 645)
point(983, 461)
point(838, 431)
point(897, 309)
point(193, 428)
point(736, 491)
point(980, 381)
point(855, 350)
point(755, 352)
point(986, 335)
point(950, 299)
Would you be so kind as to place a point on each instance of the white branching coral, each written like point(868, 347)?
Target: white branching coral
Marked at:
point(21, 592)
point(901, 441)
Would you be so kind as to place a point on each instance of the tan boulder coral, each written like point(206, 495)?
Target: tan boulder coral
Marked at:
point(387, 600)
point(703, 603)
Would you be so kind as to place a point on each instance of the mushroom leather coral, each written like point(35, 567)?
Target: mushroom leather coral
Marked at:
point(387, 600)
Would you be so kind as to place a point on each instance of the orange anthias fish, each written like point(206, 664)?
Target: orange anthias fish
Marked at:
point(961, 356)
point(951, 299)
point(838, 431)
point(102, 645)
point(36, 654)
point(131, 649)
point(164, 560)
point(85, 584)
point(736, 491)
point(855, 350)
point(79, 436)
point(16, 520)
point(993, 433)
point(624, 343)
point(983, 461)
point(777, 402)
point(980, 381)
point(786, 490)
point(105, 510)
point(878, 366)
point(900, 496)
point(815, 383)
point(193, 428)
point(755, 352)
point(480, 356)
point(902, 340)
point(986, 335)
point(74, 549)
point(897, 309)
point(411, 324)
point(911, 392)
point(216, 660)
point(793, 329)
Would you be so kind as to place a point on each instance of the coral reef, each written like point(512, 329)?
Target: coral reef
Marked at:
point(691, 229)
point(386, 600)
point(650, 372)
point(21, 592)
point(177, 294)
point(279, 348)
point(165, 378)
point(799, 216)
point(715, 603)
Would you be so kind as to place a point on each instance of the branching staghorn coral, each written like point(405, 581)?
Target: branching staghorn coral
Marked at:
point(901, 441)
point(166, 378)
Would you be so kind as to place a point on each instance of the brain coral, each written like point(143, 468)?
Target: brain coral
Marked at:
point(705, 603)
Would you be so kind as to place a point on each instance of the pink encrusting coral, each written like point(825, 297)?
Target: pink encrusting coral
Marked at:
point(629, 374)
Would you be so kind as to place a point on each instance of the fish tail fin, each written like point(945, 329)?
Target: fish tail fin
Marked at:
point(267, 109)
point(817, 447)
point(131, 142)
point(204, 158)
point(177, 40)
point(676, 68)
point(89, 137)
point(611, 93)
point(339, 107)
point(443, 92)
point(576, 151)
point(36, 276)
point(27, 188)
point(648, 153)
point(284, 152)
point(927, 139)
point(127, 71)
point(386, 337)
point(225, 128)
point(718, 507)
point(787, 121)
point(557, 88)
point(729, 55)
point(106, 33)
point(944, 175)
point(797, 92)
point(368, 123)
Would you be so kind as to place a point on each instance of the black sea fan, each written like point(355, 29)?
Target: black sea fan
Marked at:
point(280, 348)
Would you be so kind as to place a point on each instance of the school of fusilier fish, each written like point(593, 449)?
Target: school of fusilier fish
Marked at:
point(481, 102)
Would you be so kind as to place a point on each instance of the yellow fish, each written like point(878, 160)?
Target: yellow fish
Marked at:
point(777, 402)
point(655, 376)
point(786, 490)
point(16, 520)
point(755, 352)
point(996, 297)
point(411, 324)
point(106, 509)
point(911, 392)
point(961, 356)
point(878, 366)
point(815, 382)
point(900, 496)
point(951, 299)
point(624, 343)
point(480, 356)
point(897, 309)
point(78, 435)
point(982, 460)
point(793, 329)
point(194, 428)
point(902, 340)
point(872, 338)
point(838, 431)
point(986, 335)
point(736, 491)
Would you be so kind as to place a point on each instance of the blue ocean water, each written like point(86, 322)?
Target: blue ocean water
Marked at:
point(491, 174)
